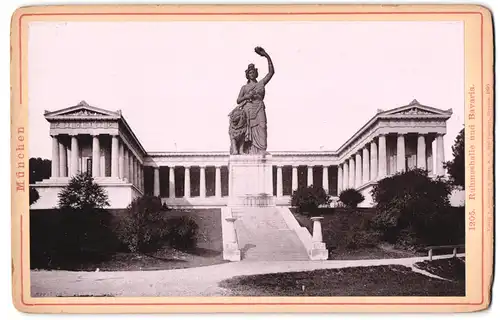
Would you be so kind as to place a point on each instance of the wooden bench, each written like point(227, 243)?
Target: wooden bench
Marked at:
point(454, 247)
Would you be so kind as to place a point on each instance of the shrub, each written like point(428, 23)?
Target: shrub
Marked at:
point(409, 206)
point(351, 198)
point(144, 225)
point(182, 232)
point(308, 199)
point(83, 193)
point(34, 195)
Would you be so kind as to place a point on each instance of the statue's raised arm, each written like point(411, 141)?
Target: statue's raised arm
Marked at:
point(260, 51)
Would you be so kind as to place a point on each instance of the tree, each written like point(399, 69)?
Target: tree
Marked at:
point(456, 167)
point(34, 195)
point(83, 193)
point(39, 169)
point(308, 199)
point(409, 206)
point(351, 198)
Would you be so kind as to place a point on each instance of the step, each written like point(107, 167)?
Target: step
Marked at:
point(264, 235)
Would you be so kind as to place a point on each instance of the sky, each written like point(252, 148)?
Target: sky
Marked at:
point(176, 82)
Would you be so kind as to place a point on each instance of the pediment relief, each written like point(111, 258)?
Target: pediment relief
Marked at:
point(82, 112)
point(83, 109)
point(415, 108)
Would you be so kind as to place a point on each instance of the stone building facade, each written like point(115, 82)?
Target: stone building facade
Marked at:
point(393, 140)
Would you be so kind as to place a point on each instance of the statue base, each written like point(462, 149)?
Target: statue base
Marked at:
point(251, 180)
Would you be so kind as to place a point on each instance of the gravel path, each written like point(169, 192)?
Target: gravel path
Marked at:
point(202, 281)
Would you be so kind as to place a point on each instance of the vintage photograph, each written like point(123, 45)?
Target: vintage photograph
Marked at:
point(247, 158)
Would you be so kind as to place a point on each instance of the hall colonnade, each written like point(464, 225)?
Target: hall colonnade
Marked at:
point(100, 142)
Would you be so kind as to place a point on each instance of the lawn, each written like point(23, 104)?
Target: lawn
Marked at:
point(451, 269)
point(163, 259)
point(207, 251)
point(391, 280)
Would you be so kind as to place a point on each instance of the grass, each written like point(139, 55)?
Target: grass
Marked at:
point(451, 269)
point(207, 251)
point(163, 259)
point(392, 280)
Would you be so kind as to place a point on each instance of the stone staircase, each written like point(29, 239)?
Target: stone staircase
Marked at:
point(263, 235)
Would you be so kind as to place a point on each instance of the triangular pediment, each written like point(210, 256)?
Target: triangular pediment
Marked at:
point(415, 108)
point(82, 109)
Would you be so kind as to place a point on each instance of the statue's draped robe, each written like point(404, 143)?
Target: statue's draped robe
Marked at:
point(256, 118)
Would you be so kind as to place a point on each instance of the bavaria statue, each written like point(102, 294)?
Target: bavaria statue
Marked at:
point(248, 122)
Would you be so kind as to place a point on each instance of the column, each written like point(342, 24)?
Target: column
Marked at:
point(114, 156)
point(125, 165)
point(142, 180)
point(401, 153)
point(137, 173)
point(130, 168)
point(439, 155)
point(340, 179)
point(74, 155)
point(141, 177)
point(63, 160)
point(351, 173)
point(203, 186)
point(359, 168)
point(421, 156)
point(187, 182)
point(366, 165)
point(429, 155)
point(325, 179)
point(309, 175)
point(121, 162)
point(279, 181)
point(382, 157)
point(171, 182)
point(373, 161)
point(295, 178)
point(55, 157)
point(156, 181)
point(96, 156)
point(345, 172)
point(218, 191)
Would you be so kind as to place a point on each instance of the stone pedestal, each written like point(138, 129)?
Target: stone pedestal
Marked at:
point(231, 250)
point(251, 180)
point(318, 250)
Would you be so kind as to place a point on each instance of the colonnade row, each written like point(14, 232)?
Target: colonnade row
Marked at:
point(186, 179)
point(180, 179)
point(101, 155)
point(374, 161)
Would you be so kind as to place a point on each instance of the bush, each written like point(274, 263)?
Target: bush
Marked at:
point(351, 198)
point(144, 225)
point(34, 195)
point(409, 206)
point(308, 199)
point(83, 193)
point(182, 232)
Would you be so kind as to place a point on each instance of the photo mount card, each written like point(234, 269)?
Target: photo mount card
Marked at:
point(252, 158)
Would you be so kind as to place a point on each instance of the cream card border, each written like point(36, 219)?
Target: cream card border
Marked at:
point(479, 156)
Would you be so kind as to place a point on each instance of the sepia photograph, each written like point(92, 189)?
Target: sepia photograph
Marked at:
point(174, 157)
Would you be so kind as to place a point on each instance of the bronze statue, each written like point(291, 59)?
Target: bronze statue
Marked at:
point(248, 122)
